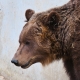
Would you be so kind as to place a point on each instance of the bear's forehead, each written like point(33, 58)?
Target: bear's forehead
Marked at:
point(31, 26)
point(29, 30)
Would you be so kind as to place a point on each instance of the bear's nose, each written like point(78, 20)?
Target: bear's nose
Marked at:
point(15, 62)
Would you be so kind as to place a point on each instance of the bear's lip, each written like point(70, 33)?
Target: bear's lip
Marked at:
point(28, 64)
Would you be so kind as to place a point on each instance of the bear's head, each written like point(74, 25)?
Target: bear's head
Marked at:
point(38, 39)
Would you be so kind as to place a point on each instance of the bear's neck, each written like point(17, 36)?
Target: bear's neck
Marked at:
point(69, 14)
point(66, 27)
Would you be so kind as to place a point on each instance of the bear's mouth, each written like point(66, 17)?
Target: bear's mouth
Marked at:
point(28, 64)
point(31, 61)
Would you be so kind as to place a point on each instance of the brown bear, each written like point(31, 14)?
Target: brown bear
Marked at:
point(51, 35)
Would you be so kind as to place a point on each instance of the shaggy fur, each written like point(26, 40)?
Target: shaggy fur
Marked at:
point(52, 35)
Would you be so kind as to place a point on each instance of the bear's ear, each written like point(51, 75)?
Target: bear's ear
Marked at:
point(52, 20)
point(29, 13)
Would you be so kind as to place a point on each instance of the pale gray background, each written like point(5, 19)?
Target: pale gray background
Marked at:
point(11, 22)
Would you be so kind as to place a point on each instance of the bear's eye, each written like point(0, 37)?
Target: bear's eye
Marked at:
point(27, 42)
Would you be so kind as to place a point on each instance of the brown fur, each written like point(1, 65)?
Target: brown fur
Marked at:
point(52, 35)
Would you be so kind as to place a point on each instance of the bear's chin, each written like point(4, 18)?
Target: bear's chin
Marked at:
point(27, 65)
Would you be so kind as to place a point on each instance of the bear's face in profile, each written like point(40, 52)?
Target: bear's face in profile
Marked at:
point(51, 35)
point(38, 39)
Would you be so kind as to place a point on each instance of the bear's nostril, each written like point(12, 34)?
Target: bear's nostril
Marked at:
point(15, 62)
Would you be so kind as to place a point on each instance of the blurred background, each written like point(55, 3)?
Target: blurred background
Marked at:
point(11, 23)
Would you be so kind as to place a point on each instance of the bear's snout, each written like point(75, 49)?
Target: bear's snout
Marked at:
point(15, 62)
